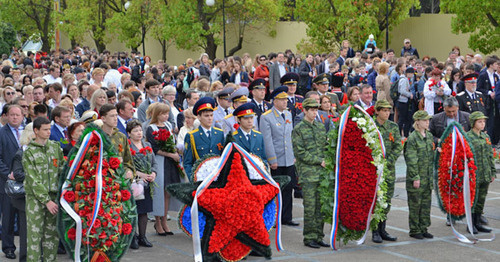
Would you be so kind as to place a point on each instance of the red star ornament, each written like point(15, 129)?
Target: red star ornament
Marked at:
point(237, 208)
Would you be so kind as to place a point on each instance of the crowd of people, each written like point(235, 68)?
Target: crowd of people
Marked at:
point(278, 106)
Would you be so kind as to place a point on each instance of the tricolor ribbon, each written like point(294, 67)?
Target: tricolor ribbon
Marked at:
point(79, 158)
point(198, 256)
point(335, 219)
point(457, 136)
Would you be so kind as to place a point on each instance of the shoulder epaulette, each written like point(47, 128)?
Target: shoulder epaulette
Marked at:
point(235, 132)
point(256, 131)
point(461, 93)
point(216, 108)
point(479, 92)
point(194, 131)
point(267, 112)
point(218, 129)
point(299, 96)
point(228, 116)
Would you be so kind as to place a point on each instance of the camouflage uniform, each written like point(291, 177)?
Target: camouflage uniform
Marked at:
point(119, 140)
point(42, 164)
point(485, 166)
point(419, 157)
point(309, 142)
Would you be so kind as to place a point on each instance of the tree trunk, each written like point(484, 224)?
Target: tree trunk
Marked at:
point(73, 43)
point(134, 48)
point(211, 47)
point(45, 43)
point(237, 47)
point(100, 45)
point(163, 44)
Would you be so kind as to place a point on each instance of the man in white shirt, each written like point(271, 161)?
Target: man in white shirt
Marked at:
point(54, 75)
point(113, 76)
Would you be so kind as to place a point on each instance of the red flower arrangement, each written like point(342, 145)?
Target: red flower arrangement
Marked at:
point(166, 143)
point(236, 126)
point(451, 189)
point(356, 184)
point(115, 216)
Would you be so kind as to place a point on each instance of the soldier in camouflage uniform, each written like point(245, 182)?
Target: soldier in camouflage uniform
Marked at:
point(309, 142)
point(486, 171)
point(419, 157)
point(42, 161)
point(392, 141)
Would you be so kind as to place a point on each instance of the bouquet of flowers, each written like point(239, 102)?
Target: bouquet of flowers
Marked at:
point(143, 165)
point(166, 143)
point(96, 191)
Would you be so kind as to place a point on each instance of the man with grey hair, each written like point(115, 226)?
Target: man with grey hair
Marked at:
point(451, 113)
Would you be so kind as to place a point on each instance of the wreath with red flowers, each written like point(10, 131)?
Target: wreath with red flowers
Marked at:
point(111, 233)
point(231, 224)
point(449, 190)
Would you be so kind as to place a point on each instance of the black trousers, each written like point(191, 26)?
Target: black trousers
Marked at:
point(404, 118)
point(20, 205)
point(286, 192)
point(8, 219)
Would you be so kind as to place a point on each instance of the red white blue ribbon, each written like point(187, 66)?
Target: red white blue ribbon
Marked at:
point(335, 220)
point(79, 158)
point(198, 256)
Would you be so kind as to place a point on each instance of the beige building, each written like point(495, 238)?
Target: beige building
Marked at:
point(430, 34)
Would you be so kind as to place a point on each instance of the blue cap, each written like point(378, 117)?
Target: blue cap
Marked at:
point(289, 78)
point(225, 93)
point(245, 110)
point(257, 84)
point(280, 92)
point(205, 103)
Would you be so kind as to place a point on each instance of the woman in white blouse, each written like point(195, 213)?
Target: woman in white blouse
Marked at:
point(435, 91)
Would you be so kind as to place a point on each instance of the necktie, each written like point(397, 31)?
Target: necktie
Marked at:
point(208, 133)
point(227, 112)
point(261, 108)
point(283, 115)
point(248, 137)
point(17, 136)
point(473, 96)
point(292, 99)
point(65, 132)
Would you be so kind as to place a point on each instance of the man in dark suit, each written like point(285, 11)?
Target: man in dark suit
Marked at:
point(258, 90)
point(277, 70)
point(85, 104)
point(440, 121)
point(306, 75)
point(486, 85)
point(365, 97)
point(471, 100)
point(125, 114)
point(342, 56)
point(62, 119)
point(324, 67)
point(9, 144)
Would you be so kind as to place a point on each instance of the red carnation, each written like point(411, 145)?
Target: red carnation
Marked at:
point(114, 162)
point(72, 233)
point(371, 110)
point(127, 229)
point(69, 196)
point(149, 149)
point(125, 195)
point(132, 152)
point(236, 126)
point(108, 243)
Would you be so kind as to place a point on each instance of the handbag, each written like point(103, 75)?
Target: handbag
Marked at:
point(138, 189)
point(14, 189)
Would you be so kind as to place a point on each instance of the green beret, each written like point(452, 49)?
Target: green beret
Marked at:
point(382, 104)
point(421, 115)
point(310, 103)
point(476, 116)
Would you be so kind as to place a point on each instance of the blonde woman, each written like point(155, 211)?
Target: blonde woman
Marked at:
point(28, 93)
point(98, 77)
point(167, 172)
point(67, 80)
point(383, 83)
point(190, 124)
point(97, 100)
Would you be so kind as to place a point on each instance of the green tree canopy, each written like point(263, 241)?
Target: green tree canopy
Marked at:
point(331, 21)
point(7, 38)
point(480, 18)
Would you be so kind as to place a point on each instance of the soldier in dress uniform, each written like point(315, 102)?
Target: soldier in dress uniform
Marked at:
point(278, 127)
point(392, 141)
point(250, 139)
point(223, 106)
point(471, 100)
point(486, 171)
point(239, 97)
point(258, 90)
point(321, 84)
point(309, 142)
point(204, 140)
point(294, 101)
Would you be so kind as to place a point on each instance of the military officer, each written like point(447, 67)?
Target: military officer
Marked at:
point(42, 163)
point(258, 90)
point(250, 139)
point(471, 100)
point(239, 97)
point(294, 101)
point(392, 141)
point(223, 106)
point(309, 142)
point(321, 84)
point(419, 156)
point(204, 140)
point(278, 126)
point(486, 171)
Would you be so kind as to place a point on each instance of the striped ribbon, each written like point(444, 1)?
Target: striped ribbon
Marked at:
point(79, 158)
point(335, 220)
point(198, 256)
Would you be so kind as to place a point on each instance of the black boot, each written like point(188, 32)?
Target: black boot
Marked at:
point(385, 236)
point(483, 220)
point(144, 242)
point(477, 224)
point(376, 238)
point(135, 243)
point(474, 229)
point(60, 249)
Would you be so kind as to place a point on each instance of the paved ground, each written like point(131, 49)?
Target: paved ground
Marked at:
point(444, 247)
